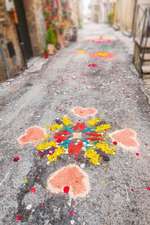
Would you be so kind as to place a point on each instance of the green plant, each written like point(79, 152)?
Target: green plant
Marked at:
point(110, 18)
point(51, 37)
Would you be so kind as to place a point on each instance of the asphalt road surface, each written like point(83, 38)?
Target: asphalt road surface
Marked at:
point(118, 194)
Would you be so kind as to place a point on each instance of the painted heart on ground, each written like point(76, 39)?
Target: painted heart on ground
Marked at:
point(84, 112)
point(72, 178)
point(126, 138)
point(32, 135)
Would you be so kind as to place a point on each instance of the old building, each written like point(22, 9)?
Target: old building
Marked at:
point(22, 31)
point(76, 13)
point(30, 27)
point(100, 10)
point(124, 14)
point(10, 52)
point(141, 34)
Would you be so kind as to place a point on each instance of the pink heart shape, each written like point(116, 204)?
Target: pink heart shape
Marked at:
point(126, 138)
point(84, 112)
point(31, 135)
point(72, 177)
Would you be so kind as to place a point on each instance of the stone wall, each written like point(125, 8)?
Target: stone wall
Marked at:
point(75, 12)
point(36, 25)
point(124, 13)
point(10, 53)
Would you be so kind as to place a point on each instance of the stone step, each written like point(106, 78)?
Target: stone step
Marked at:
point(146, 76)
point(147, 82)
point(146, 69)
point(138, 42)
point(146, 56)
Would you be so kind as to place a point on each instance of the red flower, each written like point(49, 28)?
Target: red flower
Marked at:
point(66, 189)
point(19, 217)
point(147, 188)
point(75, 148)
point(33, 190)
point(16, 158)
point(61, 136)
point(72, 213)
point(46, 55)
point(93, 136)
point(92, 65)
point(79, 126)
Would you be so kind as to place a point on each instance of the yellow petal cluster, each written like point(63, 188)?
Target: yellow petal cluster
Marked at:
point(93, 157)
point(102, 54)
point(59, 151)
point(81, 51)
point(103, 146)
point(45, 145)
point(92, 122)
point(103, 127)
point(66, 121)
point(55, 127)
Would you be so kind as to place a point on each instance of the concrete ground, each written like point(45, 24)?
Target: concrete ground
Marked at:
point(118, 195)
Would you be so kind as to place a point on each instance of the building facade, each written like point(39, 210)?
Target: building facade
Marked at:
point(124, 15)
point(28, 26)
point(125, 12)
point(100, 10)
point(22, 32)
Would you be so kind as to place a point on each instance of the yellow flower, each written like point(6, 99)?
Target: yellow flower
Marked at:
point(103, 146)
point(93, 157)
point(103, 127)
point(47, 136)
point(55, 155)
point(92, 122)
point(60, 151)
point(55, 127)
point(45, 145)
point(102, 54)
point(52, 158)
point(81, 51)
point(66, 121)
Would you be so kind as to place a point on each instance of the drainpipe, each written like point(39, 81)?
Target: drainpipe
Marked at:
point(134, 17)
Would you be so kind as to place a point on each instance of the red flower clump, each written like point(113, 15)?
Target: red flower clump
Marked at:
point(19, 217)
point(66, 189)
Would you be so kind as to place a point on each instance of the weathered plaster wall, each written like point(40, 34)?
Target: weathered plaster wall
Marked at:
point(124, 14)
point(11, 65)
point(36, 26)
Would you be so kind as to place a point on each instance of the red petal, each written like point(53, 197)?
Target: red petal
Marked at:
point(75, 148)
point(95, 139)
point(66, 189)
point(115, 142)
point(60, 139)
point(16, 158)
point(33, 190)
point(79, 126)
point(19, 217)
point(147, 188)
point(93, 134)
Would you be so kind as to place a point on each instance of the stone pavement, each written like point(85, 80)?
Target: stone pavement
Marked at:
point(75, 77)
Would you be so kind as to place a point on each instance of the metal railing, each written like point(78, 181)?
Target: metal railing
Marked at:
point(140, 21)
point(141, 33)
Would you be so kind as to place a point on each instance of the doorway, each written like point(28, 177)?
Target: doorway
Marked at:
point(22, 31)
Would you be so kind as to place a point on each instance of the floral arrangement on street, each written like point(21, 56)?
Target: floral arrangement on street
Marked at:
point(87, 139)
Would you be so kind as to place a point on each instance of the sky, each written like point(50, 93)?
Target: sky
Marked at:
point(86, 4)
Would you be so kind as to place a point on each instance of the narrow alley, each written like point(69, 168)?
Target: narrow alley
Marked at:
point(82, 75)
